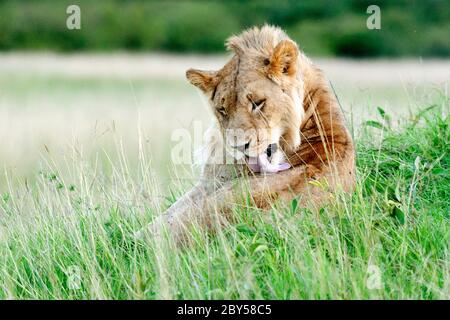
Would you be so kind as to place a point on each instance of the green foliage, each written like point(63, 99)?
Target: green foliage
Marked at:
point(397, 220)
point(321, 27)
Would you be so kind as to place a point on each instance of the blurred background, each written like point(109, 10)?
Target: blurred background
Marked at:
point(321, 27)
point(67, 95)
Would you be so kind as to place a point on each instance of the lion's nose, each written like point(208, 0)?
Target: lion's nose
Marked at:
point(271, 149)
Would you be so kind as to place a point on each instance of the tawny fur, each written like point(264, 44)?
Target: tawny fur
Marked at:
point(299, 107)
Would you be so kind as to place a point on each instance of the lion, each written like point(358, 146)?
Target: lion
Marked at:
point(292, 133)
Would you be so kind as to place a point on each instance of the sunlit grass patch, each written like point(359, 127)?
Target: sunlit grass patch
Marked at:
point(70, 236)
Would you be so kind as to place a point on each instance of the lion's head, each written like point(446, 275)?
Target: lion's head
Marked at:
point(257, 96)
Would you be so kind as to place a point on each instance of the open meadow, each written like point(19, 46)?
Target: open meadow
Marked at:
point(86, 142)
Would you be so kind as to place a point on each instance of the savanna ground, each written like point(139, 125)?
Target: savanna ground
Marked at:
point(86, 160)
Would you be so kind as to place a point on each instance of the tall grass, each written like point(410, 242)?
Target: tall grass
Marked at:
point(69, 234)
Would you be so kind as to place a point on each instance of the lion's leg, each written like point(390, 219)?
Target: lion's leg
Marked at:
point(211, 210)
point(177, 212)
point(312, 184)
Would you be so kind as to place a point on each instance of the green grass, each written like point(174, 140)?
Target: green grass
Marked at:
point(69, 236)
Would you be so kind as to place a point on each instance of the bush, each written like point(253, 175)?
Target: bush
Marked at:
point(321, 27)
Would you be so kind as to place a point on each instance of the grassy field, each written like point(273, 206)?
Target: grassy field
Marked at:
point(86, 159)
point(55, 107)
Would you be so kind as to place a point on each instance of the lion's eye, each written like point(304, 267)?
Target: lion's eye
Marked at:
point(222, 111)
point(258, 104)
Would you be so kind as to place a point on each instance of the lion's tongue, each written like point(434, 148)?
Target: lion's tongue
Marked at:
point(262, 164)
point(253, 164)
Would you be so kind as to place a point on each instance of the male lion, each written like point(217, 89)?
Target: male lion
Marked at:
point(283, 107)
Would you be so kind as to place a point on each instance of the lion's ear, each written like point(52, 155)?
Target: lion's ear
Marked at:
point(204, 80)
point(283, 60)
point(234, 43)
